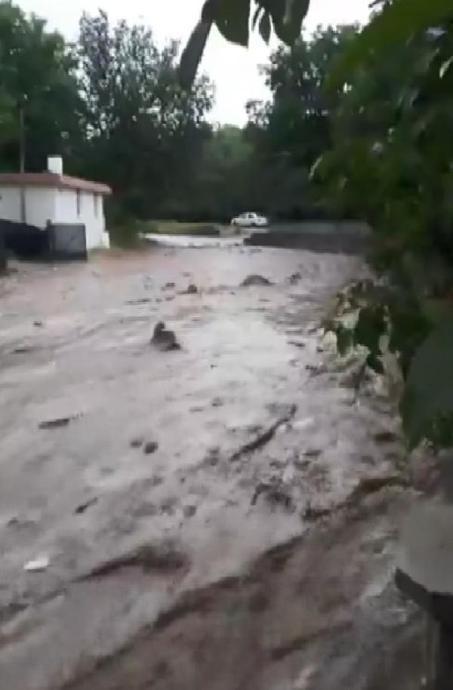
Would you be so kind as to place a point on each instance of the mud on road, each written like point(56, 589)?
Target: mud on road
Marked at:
point(222, 515)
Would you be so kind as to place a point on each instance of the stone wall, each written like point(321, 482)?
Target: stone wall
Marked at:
point(336, 237)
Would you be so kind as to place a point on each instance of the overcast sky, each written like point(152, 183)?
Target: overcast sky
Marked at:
point(234, 70)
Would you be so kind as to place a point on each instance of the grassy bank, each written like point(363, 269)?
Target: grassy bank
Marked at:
point(171, 227)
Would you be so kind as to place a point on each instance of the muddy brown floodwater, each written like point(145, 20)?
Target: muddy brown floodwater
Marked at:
point(221, 516)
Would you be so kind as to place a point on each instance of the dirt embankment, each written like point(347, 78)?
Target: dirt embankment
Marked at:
point(222, 515)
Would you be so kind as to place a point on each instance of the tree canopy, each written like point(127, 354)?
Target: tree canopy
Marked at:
point(36, 68)
point(142, 132)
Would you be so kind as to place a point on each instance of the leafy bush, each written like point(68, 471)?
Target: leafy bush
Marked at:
point(390, 319)
point(124, 236)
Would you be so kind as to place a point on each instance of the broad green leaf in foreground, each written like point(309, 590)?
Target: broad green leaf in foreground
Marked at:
point(370, 327)
point(232, 18)
point(427, 406)
point(265, 27)
point(193, 52)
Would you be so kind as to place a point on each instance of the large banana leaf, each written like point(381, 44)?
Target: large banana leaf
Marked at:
point(232, 18)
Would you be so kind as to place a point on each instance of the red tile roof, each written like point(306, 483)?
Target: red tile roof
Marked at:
point(48, 179)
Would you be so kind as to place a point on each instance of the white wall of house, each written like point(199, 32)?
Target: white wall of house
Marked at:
point(86, 208)
point(39, 205)
point(58, 206)
point(9, 203)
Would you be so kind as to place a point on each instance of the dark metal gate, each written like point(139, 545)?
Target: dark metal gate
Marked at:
point(67, 241)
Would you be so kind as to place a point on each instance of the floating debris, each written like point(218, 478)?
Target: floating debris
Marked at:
point(255, 280)
point(164, 339)
point(150, 448)
point(57, 423)
point(39, 565)
point(84, 506)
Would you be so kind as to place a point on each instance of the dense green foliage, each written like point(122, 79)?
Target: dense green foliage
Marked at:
point(390, 161)
point(35, 78)
point(266, 166)
point(143, 133)
point(294, 128)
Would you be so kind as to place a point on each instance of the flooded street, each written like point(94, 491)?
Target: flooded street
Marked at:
point(221, 516)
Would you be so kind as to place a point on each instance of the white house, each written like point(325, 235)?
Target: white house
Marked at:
point(52, 197)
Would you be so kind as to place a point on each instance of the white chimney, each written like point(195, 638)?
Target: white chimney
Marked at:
point(55, 165)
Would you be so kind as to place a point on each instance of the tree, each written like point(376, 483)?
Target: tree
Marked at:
point(222, 185)
point(389, 157)
point(301, 111)
point(39, 102)
point(141, 128)
point(290, 132)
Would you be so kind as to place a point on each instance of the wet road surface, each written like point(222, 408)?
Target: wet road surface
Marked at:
point(221, 516)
